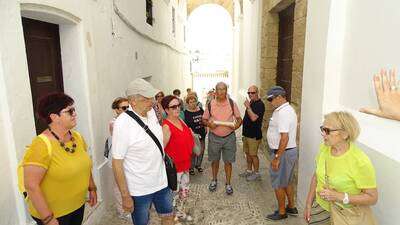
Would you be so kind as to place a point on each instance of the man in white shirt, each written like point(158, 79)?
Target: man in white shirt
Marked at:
point(138, 165)
point(281, 137)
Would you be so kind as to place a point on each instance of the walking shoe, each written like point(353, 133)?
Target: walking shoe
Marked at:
point(199, 169)
point(191, 171)
point(276, 216)
point(290, 211)
point(253, 176)
point(213, 186)
point(228, 189)
point(246, 173)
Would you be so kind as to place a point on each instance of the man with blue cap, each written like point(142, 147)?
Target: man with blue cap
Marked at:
point(281, 137)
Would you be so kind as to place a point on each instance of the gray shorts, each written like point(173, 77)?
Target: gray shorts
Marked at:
point(284, 175)
point(222, 145)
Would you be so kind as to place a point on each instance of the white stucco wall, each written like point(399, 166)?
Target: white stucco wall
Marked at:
point(98, 50)
point(247, 48)
point(345, 46)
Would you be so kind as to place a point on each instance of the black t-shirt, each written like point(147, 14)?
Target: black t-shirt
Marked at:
point(194, 121)
point(253, 129)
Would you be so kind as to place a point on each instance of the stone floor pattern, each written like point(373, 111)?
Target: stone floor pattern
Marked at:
point(248, 205)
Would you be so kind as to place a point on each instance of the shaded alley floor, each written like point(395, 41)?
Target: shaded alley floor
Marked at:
point(248, 205)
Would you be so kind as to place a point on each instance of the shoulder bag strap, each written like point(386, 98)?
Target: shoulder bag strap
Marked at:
point(147, 129)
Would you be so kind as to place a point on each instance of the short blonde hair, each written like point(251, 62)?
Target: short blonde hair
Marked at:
point(344, 120)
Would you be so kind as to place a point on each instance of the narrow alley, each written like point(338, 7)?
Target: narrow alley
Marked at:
point(248, 205)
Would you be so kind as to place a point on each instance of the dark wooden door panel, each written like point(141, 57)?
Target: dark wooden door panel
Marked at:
point(42, 43)
point(285, 49)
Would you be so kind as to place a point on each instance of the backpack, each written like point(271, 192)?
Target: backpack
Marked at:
point(20, 169)
point(230, 103)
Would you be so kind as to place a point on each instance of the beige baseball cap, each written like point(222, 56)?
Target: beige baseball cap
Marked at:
point(141, 87)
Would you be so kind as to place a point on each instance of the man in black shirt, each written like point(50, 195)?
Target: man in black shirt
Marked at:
point(252, 133)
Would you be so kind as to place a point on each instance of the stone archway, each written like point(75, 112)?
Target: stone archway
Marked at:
point(227, 4)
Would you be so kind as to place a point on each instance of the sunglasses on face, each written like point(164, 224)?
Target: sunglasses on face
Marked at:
point(327, 131)
point(270, 99)
point(124, 107)
point(174, 106)
point(251, 92)
point(71, 111)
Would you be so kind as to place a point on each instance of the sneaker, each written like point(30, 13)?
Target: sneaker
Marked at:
point(191, 171)
point(253, 176)
point(246, 173)
point(213, 186)
point(228, 189)
point(276, 216)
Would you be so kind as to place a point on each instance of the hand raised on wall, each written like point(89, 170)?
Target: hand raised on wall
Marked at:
point(387, 90)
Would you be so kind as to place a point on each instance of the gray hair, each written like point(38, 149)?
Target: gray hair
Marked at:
point(221, 83)
point(133, 97)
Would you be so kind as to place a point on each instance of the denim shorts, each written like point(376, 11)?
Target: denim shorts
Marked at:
point(162, 201)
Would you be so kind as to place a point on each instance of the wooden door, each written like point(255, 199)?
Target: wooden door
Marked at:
point(285, 49)
point(42, 43)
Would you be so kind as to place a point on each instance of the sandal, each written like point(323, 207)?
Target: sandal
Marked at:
point(199, 169)
point(191, 172)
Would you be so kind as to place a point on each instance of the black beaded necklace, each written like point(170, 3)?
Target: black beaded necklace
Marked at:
point(62, 144)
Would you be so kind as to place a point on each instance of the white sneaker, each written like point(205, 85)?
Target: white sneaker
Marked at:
point(253, 176)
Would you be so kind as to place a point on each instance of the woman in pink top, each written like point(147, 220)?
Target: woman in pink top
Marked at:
point(178, 142)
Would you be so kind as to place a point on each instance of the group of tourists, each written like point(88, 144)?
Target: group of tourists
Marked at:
point(152, 152)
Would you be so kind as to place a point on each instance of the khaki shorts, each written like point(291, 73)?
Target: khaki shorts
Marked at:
point(250, 146)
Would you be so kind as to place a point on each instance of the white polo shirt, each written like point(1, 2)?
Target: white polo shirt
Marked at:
point(283, 120)
point(143, 164)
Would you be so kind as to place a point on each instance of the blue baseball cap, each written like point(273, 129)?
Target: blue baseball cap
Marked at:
point(274, 92)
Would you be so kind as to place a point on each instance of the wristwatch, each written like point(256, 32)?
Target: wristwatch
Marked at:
point(346, 199)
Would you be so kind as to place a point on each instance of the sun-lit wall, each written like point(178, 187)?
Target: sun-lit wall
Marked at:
point(345, 46)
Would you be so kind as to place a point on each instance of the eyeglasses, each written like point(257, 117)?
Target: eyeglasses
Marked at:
point(271, 98)
point(174, 106)
point(251, 92)
point(327, 131)
point(159, 96)
point(124, 107)
point(71, 111)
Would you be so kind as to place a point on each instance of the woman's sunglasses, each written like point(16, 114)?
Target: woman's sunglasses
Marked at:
point(71, 111)
point(174, 106)
point(326, 130)
point(124, 107)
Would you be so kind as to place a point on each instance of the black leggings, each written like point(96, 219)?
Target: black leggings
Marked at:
point(74, 218)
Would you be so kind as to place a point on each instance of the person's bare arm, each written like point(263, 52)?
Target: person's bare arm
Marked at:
point(92, 191)
point(127, 201)
point(253, 117)
point(366, 197)
point(282, 147)
point(310, 198)
point(238, 123)
point(166, 134)
point(33, 176)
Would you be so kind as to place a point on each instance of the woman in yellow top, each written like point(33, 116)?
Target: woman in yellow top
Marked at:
point(344, 178)
point(58, 181)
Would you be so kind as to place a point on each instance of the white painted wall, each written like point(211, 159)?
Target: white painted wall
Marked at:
point(345, 46)
point(248, 47)
point(98, 50)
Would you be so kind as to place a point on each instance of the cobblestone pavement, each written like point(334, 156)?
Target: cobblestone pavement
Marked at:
point(248, 205)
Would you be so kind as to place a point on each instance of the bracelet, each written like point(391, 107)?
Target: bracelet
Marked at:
point(48, 219)
point(94, 188)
